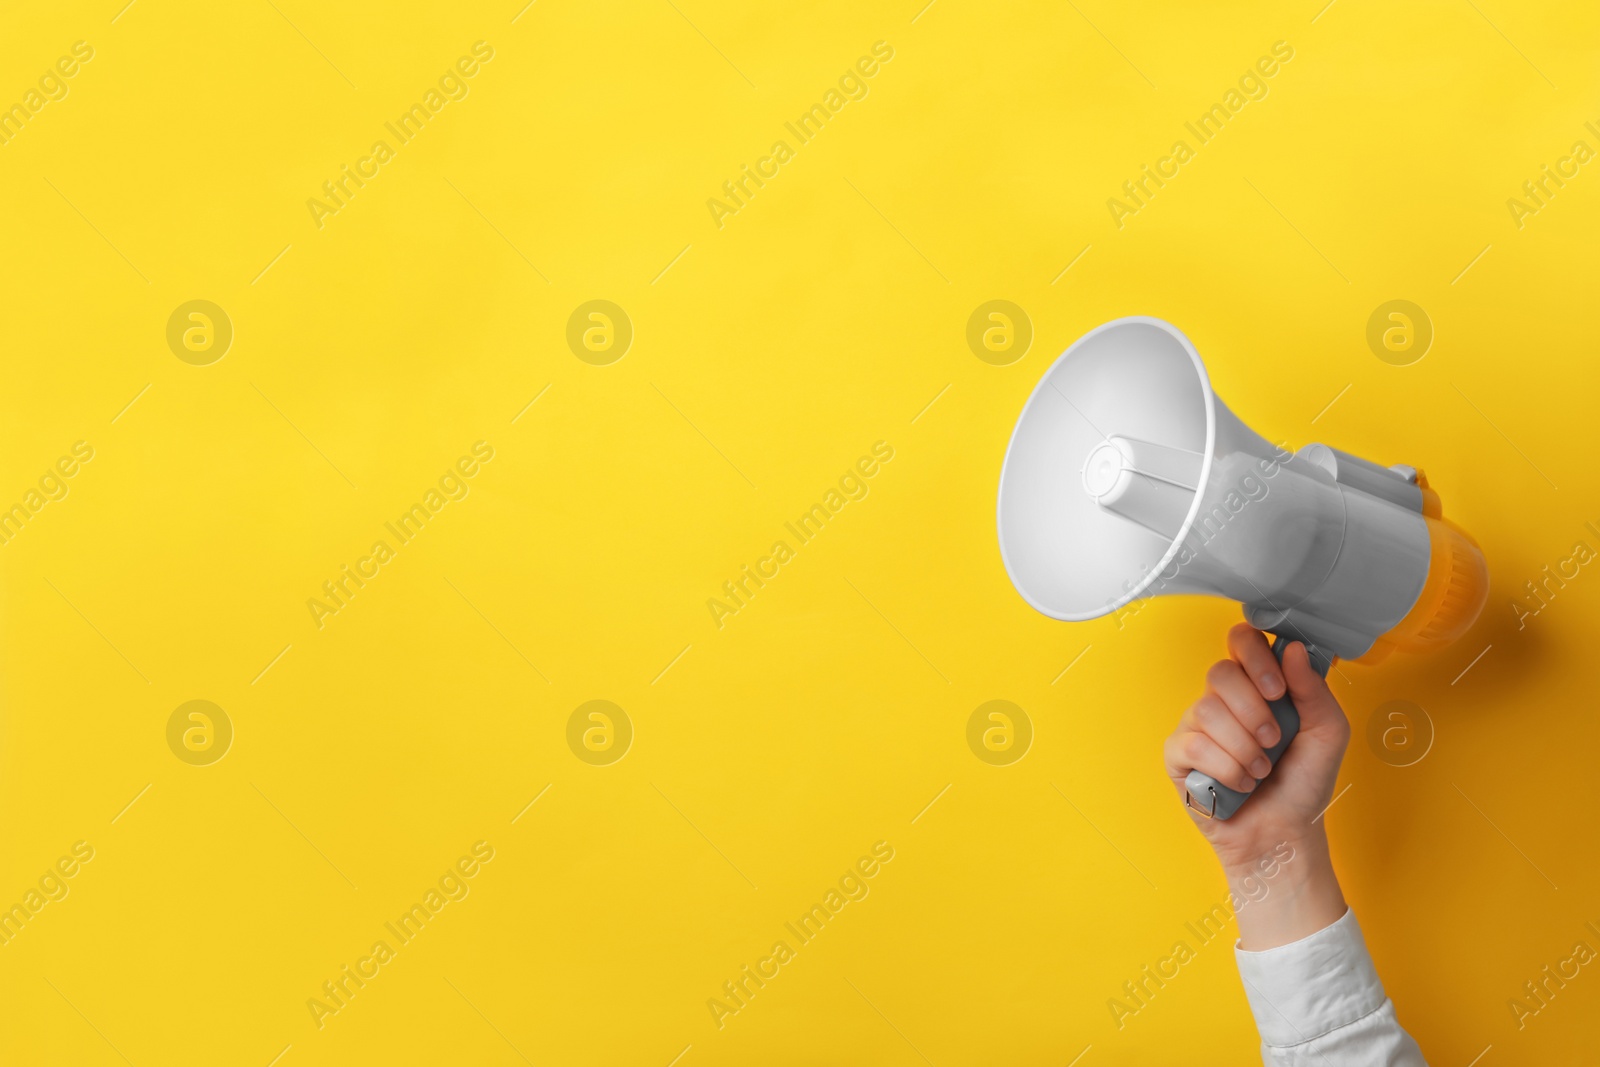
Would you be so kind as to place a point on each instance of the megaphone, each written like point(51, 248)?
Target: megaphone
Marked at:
point(1128, 477)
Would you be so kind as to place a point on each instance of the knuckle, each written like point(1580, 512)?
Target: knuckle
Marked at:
point(1173, 748)
point(1245, 752)
point(1255, 712)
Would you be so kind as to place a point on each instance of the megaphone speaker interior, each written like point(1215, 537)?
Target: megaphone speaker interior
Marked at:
point(1128, 477)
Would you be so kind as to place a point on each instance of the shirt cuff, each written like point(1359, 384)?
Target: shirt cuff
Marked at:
point(1309, 988)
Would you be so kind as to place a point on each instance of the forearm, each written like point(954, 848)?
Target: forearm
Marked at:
point(1313, 990)
point(1302, 895)
point(1311, 985)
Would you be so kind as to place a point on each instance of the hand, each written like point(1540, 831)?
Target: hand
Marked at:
point(1225, 734)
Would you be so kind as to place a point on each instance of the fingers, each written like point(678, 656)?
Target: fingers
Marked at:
point(1226, 732)
point(1249, 646)
point(1214, 718)
point(1190, 750)
point(1310, 691)
point(1229, 681)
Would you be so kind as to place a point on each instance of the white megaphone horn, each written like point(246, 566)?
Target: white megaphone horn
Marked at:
point(1127, 477)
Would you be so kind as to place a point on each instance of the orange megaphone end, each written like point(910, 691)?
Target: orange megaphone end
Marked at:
point(1452, 595)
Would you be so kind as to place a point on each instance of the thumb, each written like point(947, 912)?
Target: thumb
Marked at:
point(1318, 709)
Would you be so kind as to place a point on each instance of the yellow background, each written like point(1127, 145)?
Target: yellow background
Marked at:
point(828, 713)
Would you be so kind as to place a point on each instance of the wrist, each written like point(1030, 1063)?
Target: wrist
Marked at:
point(1274, 856)
point(1287, 893)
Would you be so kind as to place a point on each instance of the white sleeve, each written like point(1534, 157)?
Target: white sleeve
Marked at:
point(1318, 1003)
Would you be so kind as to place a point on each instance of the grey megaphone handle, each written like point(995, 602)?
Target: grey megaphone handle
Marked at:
point(1216, 801)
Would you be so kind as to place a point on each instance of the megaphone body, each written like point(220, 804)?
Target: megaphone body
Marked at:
point(1128, 477)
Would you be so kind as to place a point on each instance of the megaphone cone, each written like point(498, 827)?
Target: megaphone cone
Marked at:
point(1128, 477)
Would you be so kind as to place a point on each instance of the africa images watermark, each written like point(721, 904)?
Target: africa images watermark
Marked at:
point(1209, 525)
point(452, 86)
point(1551, 583)
point(852, 886)
point(340, 590)
point(852, 85)
point(1551, 980)
point(852, 486)
point(1153, 977)
point(52, 87)
point(52, 486)
point(452, 886)
point(52, 886)
point(1252, 86)
point(1542, 188)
